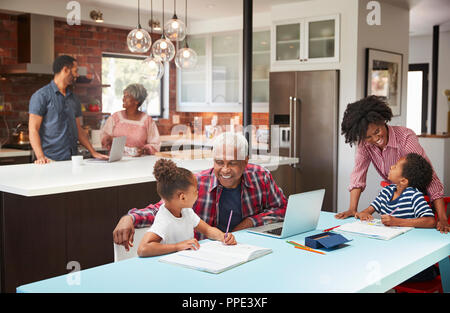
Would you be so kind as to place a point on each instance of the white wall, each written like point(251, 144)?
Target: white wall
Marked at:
point(421, 51)
point(438, 150)
point(391, 35)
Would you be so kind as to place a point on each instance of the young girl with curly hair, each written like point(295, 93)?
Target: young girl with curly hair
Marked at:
point(174, 225)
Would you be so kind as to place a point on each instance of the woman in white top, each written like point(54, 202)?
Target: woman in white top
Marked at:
point(174, 225)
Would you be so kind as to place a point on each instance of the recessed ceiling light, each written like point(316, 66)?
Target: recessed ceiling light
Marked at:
point(211, 5)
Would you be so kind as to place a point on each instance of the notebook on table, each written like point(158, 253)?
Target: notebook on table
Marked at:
point(302, 215)
point(116, 153)
point(215, 257)
point(373, 229)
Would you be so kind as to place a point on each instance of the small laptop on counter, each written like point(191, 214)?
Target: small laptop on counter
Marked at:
point(302, 215)
point(116, 153)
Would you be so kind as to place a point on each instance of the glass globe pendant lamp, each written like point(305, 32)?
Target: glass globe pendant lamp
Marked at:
point(163, 48)
point(175, 29)
point(152, 68)
point(186, 58)
point(139, 40)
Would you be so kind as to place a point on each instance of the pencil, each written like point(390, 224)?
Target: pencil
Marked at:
point(228, 226)
point(307, 249)
point(299, 246)
point(326, 230)
point(393, 211)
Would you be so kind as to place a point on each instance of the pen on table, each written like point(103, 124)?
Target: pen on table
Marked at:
point(331, 228)
point(228, 226)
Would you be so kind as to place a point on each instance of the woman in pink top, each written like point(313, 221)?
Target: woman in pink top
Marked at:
point(365, 123)
point(140, 129)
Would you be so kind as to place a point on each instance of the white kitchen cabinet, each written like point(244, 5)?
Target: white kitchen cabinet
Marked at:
point(305, 41)
point(215, 84)
point(192, 82)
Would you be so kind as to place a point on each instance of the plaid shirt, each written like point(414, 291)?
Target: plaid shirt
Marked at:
point(262, 201)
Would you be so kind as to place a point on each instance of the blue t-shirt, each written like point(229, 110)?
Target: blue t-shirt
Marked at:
point(58, 131)
point(411, 203)
point(230, 200)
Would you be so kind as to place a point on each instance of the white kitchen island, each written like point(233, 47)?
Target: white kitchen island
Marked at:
point(59, 177)
point(54, 214)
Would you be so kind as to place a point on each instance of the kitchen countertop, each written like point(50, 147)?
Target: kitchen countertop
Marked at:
point(59, 177)
point(179, 140)
point(8, 153)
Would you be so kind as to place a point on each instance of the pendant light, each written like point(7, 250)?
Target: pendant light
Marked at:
point(152, 67)
point(175, 29)
point(139, 40)
point(163, 48)
point(186, 57)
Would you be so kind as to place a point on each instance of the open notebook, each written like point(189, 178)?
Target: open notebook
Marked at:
point(215, 257)
point(373, 229)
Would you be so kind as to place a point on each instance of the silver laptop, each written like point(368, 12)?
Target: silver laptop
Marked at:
point(302, 215)
point(116, 153)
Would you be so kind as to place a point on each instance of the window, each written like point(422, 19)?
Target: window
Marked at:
point(416, 118)
point(119, 71)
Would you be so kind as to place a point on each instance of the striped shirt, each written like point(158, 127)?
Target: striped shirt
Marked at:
point(402, 141)
point(410, 204)
point(262, 201)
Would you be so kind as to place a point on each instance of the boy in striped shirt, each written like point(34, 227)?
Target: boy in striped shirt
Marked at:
point(403, 202)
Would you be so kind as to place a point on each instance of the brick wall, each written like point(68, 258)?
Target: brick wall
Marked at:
point(86, 43)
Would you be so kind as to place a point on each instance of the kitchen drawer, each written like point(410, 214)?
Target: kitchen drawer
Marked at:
point(15, 160)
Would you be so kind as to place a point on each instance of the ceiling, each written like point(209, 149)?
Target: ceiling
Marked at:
point(197, 9)
point(423, 13)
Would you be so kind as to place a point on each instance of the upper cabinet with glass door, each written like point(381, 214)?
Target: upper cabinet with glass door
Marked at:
point(225, 69)
point(305, 41)
point(215, 84)
point(261, 69)
point(192, 82)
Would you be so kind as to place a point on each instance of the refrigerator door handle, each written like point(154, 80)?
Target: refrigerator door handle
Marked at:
point(290, 126)
point(294, 131)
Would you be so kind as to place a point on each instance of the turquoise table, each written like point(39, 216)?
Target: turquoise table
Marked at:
point(364, 265)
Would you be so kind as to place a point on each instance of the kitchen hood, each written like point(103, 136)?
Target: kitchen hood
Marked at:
point(35, 46)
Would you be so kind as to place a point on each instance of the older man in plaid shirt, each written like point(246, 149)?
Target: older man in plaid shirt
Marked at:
point(232, 185)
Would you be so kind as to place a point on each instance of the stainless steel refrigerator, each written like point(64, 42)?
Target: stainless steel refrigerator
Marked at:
point(303, 107)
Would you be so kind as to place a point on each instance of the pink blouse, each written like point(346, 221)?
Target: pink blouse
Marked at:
point(142, 134)
point(402, 141)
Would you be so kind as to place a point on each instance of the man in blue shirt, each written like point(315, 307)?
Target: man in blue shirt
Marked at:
point(54, 121)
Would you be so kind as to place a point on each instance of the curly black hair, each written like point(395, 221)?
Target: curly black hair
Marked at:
point(358, 115)
point(170, 178)
point(418, 171)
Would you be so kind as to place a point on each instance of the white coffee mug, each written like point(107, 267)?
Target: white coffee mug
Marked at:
point(77, 160)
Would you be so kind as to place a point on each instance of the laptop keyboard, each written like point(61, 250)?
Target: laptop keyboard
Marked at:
point(276, 231)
